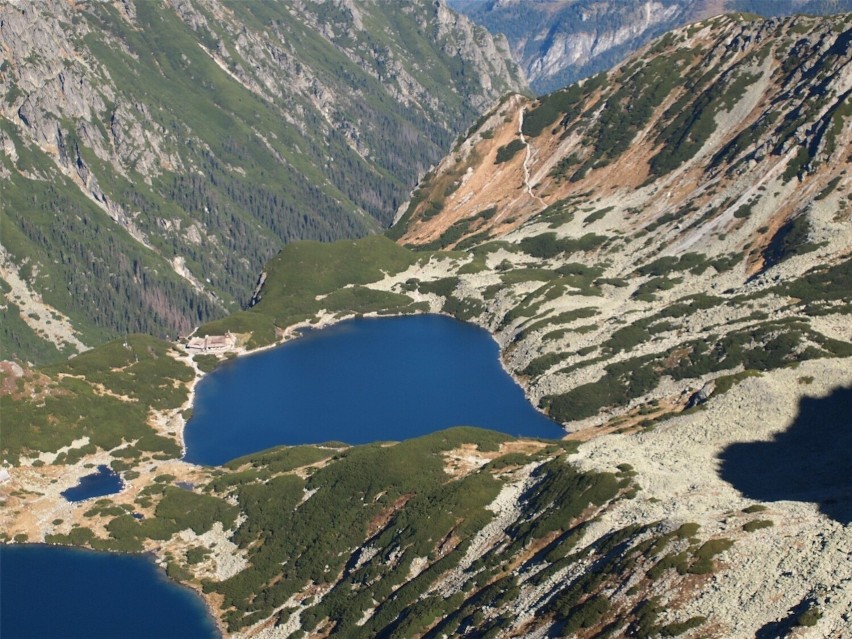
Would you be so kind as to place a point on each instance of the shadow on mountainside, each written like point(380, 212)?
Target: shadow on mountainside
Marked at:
point(811, 461)
point(782, 627)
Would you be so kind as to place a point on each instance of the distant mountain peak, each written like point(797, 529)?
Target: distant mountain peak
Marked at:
point(557, 42)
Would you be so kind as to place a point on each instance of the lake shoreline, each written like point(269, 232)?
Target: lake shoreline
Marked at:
point(49, 481)
point(391, 369)
point(291, 333)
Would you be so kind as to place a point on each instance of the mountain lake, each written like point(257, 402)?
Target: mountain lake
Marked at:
point(51, 592)
point(104, 482)
point(360, 381)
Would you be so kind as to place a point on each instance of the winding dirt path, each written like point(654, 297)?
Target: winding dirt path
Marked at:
point(527, 184)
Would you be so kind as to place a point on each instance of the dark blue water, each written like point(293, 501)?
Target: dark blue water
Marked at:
point(54, 592)
point(104, 482)
point(360, 381)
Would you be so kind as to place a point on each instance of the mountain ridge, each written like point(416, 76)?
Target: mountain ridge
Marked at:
point(684, 142)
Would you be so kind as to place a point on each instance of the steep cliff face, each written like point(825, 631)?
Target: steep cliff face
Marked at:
point(560, 41)
point(560, 51)
point(201, 136)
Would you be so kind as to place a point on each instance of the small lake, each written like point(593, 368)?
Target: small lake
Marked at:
point(360, 381)
point(51, 592)
point(104, 482)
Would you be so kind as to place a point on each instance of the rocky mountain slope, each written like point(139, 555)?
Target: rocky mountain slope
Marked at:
point(557, 42)
point(695, 206)
point(665, 261)
point(156, 154)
